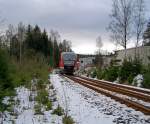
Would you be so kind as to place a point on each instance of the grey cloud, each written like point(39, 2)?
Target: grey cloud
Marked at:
point(64, 13)
point(77, 20)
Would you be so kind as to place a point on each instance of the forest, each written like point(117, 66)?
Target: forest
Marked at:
point(26, 52)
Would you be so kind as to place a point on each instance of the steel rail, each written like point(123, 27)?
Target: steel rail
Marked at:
point(118, 85)
point(124, 91)
point(133, 104)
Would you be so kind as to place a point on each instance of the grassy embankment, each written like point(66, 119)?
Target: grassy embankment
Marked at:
point(14, 74)
point(27, 70)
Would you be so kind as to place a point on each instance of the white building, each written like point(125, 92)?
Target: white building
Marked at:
point(143, 52)
point(86, 61)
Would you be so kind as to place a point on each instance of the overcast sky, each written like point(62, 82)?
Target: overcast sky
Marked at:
point(80, 21)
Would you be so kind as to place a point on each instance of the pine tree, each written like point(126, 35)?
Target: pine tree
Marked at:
point(44, 40)
point(29, 38)
point(6, 83)
point(37, 39)
point(51, 61)
point(56, 53)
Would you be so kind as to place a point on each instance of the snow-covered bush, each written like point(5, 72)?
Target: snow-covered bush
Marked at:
point(125, 73)
point(138, 80)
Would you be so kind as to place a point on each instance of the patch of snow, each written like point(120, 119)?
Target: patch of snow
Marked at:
point(116, 81)
point(78, 108)
point(138, 80)
point(23, 110)
point(88, 107)
point(6, 100)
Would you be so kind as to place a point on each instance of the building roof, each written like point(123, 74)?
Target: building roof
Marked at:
point(132, 48)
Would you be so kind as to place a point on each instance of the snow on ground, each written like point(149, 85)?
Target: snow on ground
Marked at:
point(84, 105)
point(23, 111)
point(26, 110)
point(88, 107)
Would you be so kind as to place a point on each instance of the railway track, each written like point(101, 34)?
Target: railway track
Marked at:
point(119, 89)
point(109, 90)
point(140, 90)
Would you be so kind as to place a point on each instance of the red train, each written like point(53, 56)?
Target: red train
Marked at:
point(68, 62)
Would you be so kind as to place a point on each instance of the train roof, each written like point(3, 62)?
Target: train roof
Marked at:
point(68, 53)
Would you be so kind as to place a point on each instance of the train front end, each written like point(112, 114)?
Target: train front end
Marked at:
point(68, 62)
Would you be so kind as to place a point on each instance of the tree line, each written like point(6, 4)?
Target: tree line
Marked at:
point(28, 40)
point(25, 52)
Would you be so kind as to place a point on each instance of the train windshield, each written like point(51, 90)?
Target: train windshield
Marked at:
point(69, 56)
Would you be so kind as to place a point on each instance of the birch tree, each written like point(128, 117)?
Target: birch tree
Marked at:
point(120, 25)
point(21, 36)
point(99, 43)
point(99, 58)
point(10, 32)
point(139, 21)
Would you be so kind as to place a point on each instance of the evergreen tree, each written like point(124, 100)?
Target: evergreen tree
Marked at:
point(29, 38)
point(37, 44)
point(5, 78)
point(56, 53)
point(15, 47)
point(44, 40)
point(50, 47)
